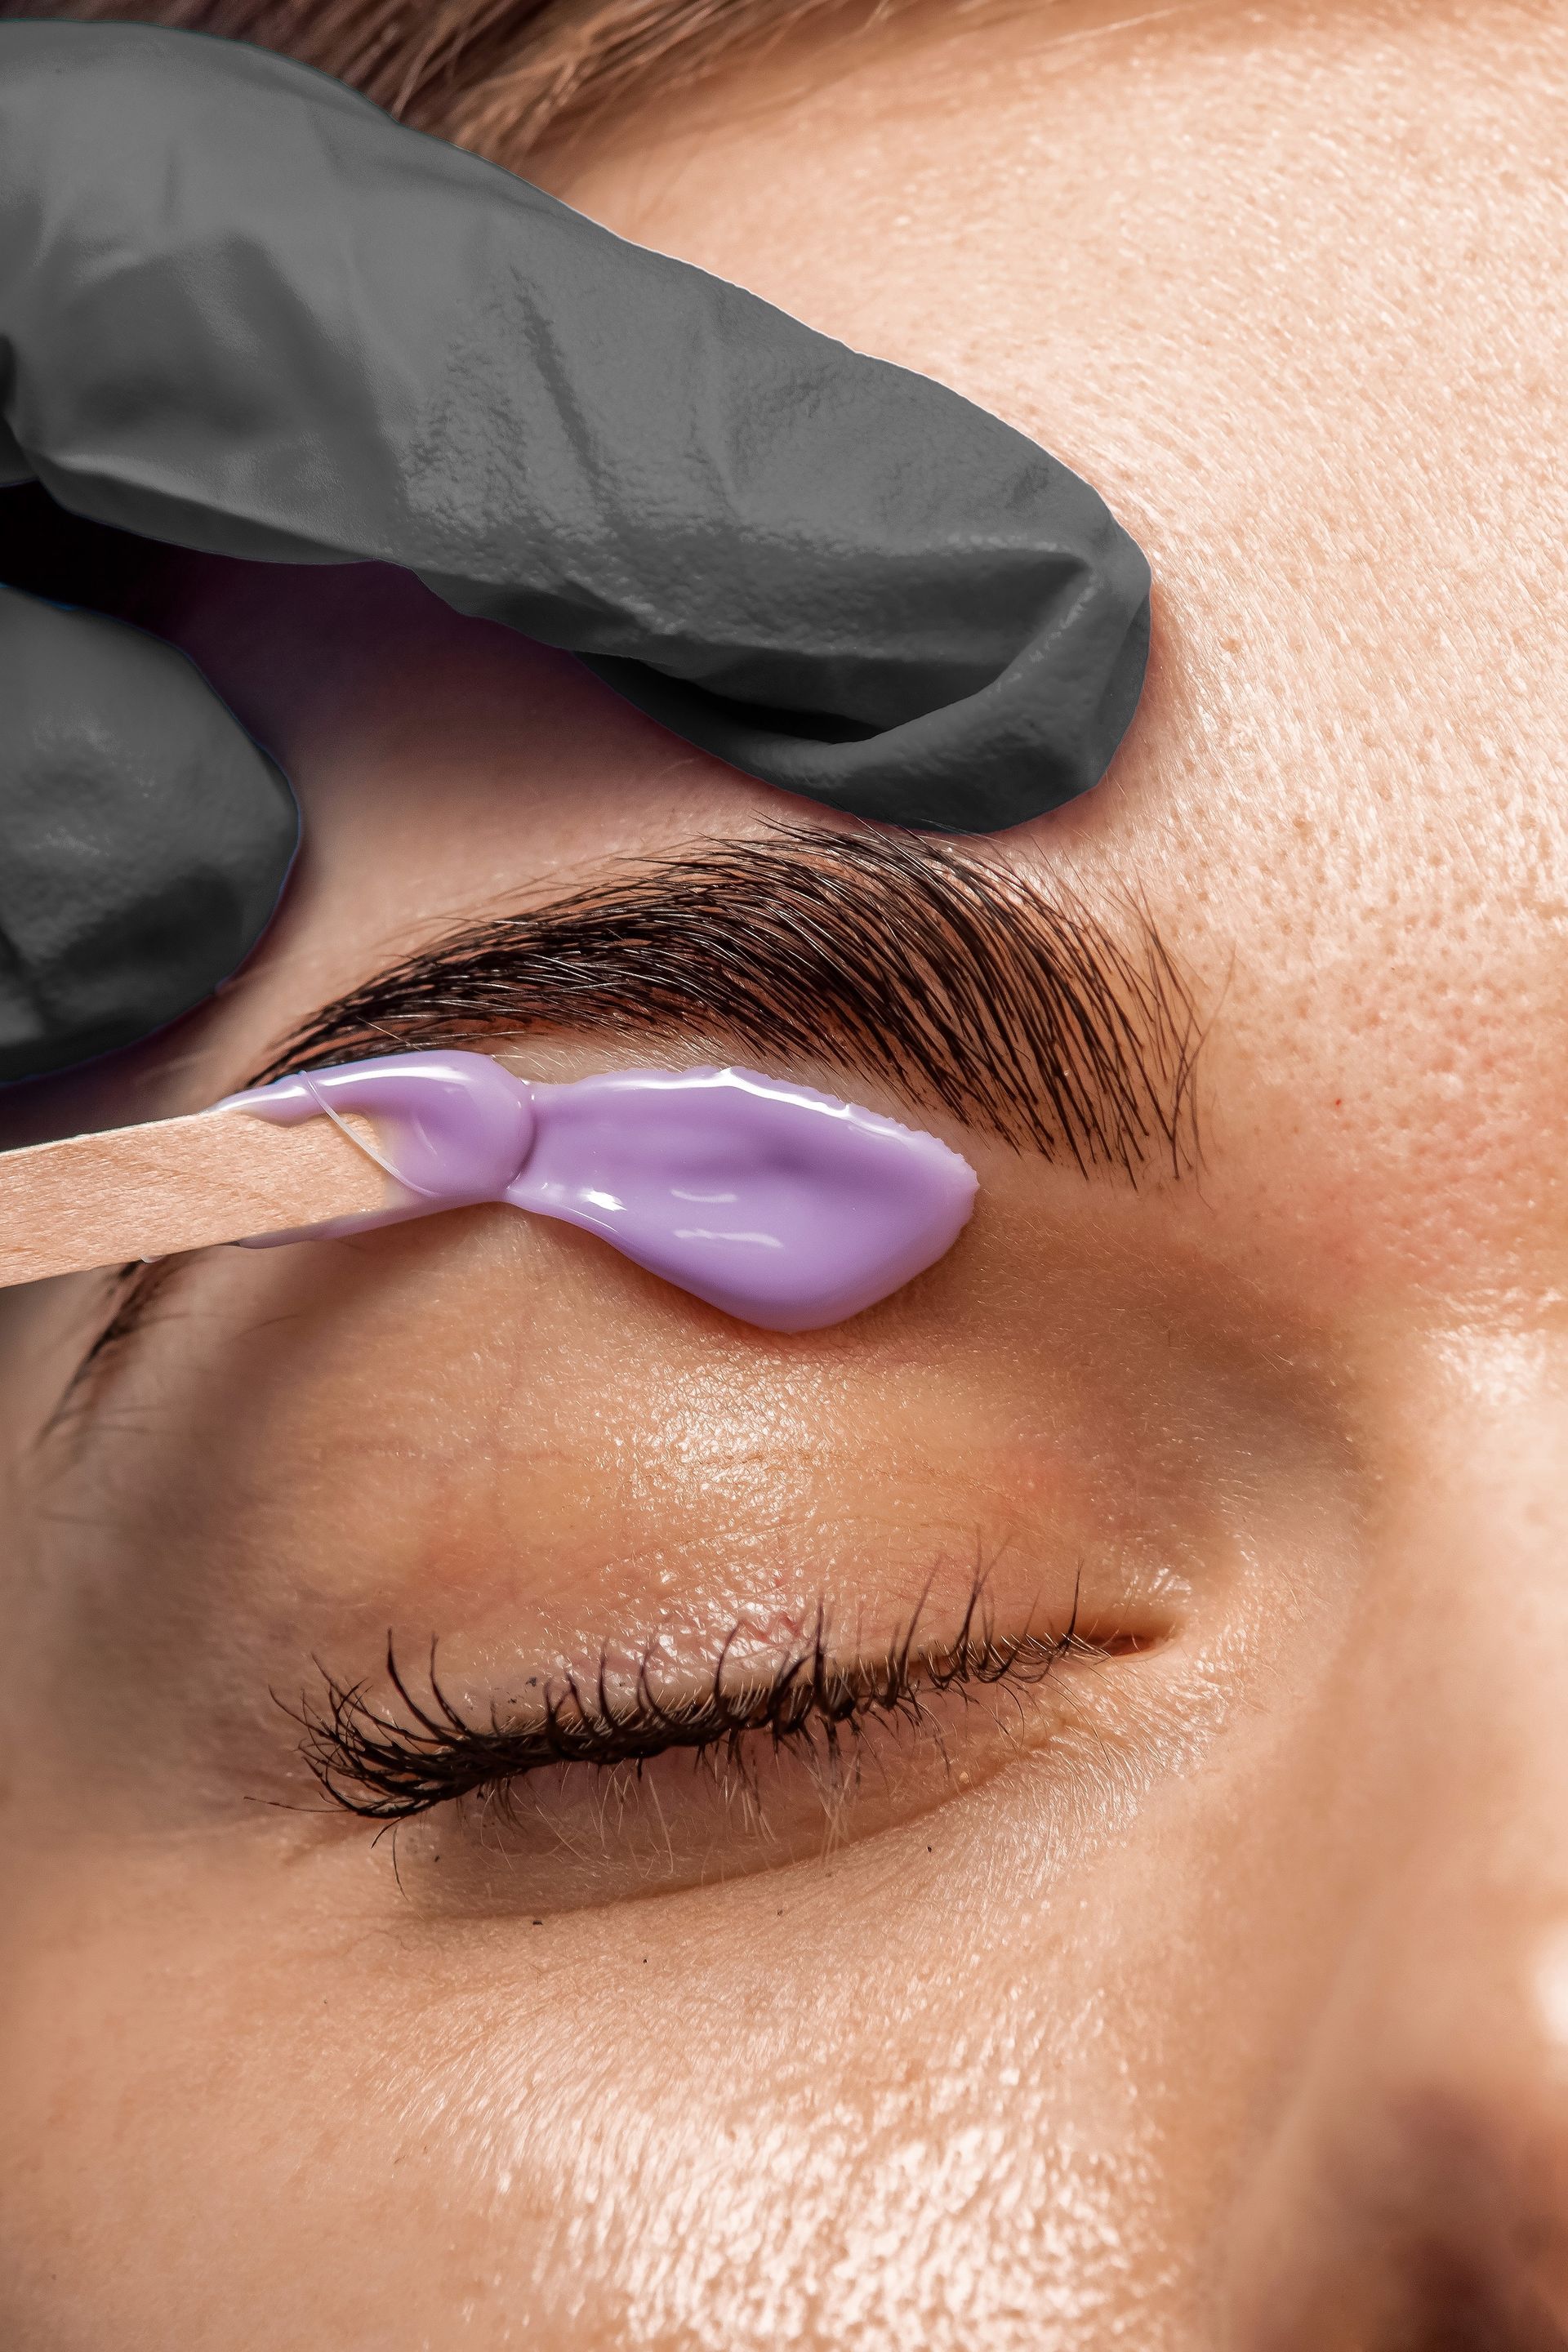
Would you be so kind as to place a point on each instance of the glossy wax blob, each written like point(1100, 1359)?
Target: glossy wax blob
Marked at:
point(782, 1206)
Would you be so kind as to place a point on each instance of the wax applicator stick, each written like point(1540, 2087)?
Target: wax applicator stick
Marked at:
point(177, 1184)
point(782, 1207)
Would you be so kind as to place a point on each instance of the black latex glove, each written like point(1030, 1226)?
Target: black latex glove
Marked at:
point(242, 310)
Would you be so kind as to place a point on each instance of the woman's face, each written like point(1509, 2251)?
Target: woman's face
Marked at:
point(1211, 1987)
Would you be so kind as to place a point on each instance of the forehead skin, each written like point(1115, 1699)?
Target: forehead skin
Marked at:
point(1282, 282)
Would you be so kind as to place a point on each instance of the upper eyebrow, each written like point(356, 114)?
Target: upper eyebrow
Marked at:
point(944, 975)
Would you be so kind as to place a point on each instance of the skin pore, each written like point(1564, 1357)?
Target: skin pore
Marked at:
point(1209, 1988)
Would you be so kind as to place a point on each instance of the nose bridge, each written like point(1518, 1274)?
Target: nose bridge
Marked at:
point(1414, 2195)
point(1458, 1652)
point(1468, 1566)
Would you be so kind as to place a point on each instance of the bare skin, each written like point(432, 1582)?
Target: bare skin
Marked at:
point(1217, 1992)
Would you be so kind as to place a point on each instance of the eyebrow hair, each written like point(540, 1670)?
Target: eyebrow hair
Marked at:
point(940, 972)
point(944, 974)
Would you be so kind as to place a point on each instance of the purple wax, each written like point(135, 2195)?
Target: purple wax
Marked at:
point(780, 1205)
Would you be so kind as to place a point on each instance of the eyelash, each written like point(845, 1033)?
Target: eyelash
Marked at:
point(384, 1769)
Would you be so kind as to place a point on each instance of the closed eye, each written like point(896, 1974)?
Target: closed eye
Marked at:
point(394, 1756)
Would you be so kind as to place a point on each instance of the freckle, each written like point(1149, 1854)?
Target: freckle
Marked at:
point(538, 1923)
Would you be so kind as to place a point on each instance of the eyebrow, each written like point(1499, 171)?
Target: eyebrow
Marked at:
point(947, 975)
point(942, 974)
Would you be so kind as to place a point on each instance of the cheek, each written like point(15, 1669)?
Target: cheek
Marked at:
point(825, 2107)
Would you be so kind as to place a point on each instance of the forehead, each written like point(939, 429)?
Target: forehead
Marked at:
point(1283, 283)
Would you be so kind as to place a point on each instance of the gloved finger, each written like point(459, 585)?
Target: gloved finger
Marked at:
point(243, 310)
point(145, 837)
